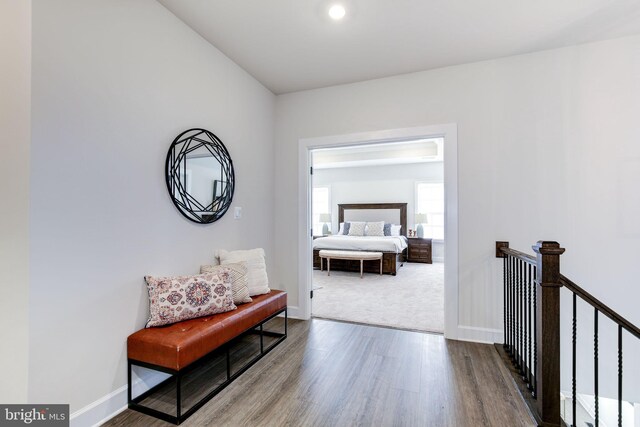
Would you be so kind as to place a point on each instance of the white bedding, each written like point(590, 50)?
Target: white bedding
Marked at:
point(362, 243)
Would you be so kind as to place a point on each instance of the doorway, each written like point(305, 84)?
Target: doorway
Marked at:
point(448, 134)
point(395, 189)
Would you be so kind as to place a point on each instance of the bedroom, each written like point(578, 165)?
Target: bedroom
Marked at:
point(394, 276)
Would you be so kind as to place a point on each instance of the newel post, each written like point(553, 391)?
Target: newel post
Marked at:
point(548, 331)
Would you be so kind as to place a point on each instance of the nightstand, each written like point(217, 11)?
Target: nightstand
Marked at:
point(419, 250)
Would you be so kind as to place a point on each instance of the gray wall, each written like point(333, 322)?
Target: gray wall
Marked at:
point(547, 149)
point(15, 141)
point(113, 83)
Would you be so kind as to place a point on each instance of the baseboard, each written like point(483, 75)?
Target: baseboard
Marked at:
point(101, 410)
point(480, 335)
point(107, 407)
point(294, 312)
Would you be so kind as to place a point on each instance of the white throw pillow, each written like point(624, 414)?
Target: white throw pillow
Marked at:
point(341, 230)
point(357, 228)
point(239, 280)
point(375, 228)
point(258, 282)
point(216, 259)
point(395, 229)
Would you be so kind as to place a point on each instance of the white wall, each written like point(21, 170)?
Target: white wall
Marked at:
point(547, 149)
point(15, 128)
point(113, 83)
point(379, 184)
point(376, 184)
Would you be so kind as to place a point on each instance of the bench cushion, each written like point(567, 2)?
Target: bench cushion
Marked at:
point(177, 346)
point(350, 254)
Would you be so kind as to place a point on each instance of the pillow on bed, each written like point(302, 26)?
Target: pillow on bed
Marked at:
point(345, 230)
point(395, 229)
point(357, 228)
point(375, 228)
point(387, 229)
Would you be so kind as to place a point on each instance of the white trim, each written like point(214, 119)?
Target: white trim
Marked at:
point(588, 405)
point(293, 312)
point(450, 145)
point(480, 335)
point(107, 407)
point(102, 410)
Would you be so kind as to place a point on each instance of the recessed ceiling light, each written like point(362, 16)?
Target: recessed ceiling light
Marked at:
point(337, 12)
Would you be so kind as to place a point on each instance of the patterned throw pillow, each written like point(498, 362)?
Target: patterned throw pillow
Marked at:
point(239, 282)
point(357, 228)
point(174, 299)
point(256, 268)
point(375, 228)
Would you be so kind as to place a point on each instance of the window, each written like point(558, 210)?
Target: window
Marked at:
point(321, 205)
point(430, 200)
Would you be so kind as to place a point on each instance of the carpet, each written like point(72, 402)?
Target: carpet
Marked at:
point(413, 299)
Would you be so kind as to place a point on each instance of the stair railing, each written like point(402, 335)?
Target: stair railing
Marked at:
point(532, 328)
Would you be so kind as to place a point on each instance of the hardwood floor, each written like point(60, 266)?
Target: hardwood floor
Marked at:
point(330, 373)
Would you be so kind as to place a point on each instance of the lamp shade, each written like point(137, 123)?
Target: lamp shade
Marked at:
point(421, 218)
point(325, 217)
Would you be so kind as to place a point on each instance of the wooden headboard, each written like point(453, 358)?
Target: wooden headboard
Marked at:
point(400, 207)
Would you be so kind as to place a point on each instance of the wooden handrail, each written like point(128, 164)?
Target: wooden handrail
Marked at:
point(524, 274)
point(519, 255)
point(603, 308)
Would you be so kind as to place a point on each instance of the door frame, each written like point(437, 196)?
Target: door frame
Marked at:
point(449, 133)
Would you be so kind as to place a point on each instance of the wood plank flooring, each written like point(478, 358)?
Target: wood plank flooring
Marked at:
point(330, 373)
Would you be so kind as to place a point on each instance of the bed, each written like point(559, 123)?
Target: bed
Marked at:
point(393, 248)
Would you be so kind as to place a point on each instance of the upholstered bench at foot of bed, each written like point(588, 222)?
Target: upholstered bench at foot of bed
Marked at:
point(175, 349)
point(349, 255)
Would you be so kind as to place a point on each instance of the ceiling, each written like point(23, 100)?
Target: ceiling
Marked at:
point(292, 45)
point(391, 153)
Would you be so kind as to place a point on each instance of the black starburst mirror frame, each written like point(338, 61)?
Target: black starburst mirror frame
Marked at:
point(199, 141)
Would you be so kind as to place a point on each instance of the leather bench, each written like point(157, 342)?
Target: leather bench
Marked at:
point(175, 348)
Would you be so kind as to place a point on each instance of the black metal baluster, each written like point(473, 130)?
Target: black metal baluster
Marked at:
point(573, 363)
point(508, 305)
point(520, 315)
point(521, 303)
point(511, 332)
point(525, 353)
point(595, 363)
point(512, 319)
point(504, 305)
point(515, 313)
point(619, 375)
point(530, 284)
point(535, 334)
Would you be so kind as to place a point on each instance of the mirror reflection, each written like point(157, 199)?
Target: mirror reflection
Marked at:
point(200, 176)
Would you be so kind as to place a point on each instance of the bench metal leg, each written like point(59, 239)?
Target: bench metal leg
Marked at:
point(176, 377)
point(381, 266)
point(328, 266)
point(361, 265)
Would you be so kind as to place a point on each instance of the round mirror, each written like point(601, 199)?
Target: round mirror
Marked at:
point(200, 176)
